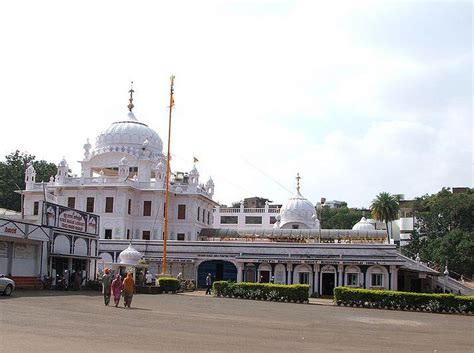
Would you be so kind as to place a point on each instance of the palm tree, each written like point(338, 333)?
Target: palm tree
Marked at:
point(385, 208)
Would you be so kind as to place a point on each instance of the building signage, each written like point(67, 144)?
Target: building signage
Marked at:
point(73, 220)
point(70, 219)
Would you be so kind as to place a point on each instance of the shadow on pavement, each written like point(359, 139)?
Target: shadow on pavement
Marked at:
point(21, 293)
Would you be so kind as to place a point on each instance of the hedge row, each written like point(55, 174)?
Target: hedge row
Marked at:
point(262, 291)
point(404, 300)
point(168, 284)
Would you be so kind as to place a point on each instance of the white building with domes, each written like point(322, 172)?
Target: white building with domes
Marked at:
point(123, 180)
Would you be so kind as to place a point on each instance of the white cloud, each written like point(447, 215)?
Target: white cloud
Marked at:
point(285, 86)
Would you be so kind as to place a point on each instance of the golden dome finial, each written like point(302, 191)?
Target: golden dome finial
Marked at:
point(130, 104)
point(298, 182)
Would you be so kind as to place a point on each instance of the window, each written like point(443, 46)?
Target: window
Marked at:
point(295, 226)
point(273, 219)
point(146, 235)
point(90, 204)
point(199, 212)
point(229, 220)
point(304, 278)
point(181, 236)
point(352, 279)
point(181, 211)
point(35, 208)
point(108, 234)
point(208, 217)
point(203, 214)
point(147, 208)
point(377, 280)
point(253, 220)
point(71, 202)
point(109, 204)
point(129, 206)
point(128, 233)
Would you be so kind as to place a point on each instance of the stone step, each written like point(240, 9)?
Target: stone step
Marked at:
point(22, 282)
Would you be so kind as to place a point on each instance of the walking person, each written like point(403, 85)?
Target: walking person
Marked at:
point(106, 283)
point(208, 283)
point(128, 287)
point(117, 289)
point(148, 278)
point(77, 280)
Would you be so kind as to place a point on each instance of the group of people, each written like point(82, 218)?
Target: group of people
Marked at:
point(114, 286)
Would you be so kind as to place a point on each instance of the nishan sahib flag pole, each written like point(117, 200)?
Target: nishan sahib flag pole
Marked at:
point(165, 231)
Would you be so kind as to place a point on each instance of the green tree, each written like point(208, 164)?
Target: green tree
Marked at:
point(339, 218)
point(12, 176)
point(444, 231)
point(385, 208)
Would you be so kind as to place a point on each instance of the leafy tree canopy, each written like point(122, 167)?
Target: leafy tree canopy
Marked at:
point(339, 218)
point(385, 208)
point(12, 176)
point(444, 230)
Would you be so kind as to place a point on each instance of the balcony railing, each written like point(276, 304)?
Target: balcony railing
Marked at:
point(246, 210)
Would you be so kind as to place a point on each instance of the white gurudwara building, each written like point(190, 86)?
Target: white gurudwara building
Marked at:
point(123, 181)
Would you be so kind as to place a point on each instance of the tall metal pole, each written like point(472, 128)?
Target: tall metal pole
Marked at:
point(165, 231)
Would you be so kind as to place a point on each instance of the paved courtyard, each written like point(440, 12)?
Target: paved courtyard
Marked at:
point(79, 322)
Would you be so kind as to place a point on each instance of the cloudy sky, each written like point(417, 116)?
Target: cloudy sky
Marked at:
point(358, 97)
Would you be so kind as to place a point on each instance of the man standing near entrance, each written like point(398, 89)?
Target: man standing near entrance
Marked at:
point(106, 282)
point(208, 283)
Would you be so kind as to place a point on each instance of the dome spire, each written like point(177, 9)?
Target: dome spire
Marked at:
point(298, 182)
point(131, 91)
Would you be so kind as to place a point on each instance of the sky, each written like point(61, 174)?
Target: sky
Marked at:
point(358, 97)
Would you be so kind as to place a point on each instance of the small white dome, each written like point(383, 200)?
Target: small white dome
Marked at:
point(210, 182)
point(363, 224)
point(63, 163)
point(298, 210)
point(30, 169)
point(130, 256)
point(129, 136)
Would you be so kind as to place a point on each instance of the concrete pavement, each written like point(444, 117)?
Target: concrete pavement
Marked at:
point(79, 322)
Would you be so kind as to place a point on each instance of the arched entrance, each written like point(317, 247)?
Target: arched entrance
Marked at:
point(328, 280)
point(220, 270)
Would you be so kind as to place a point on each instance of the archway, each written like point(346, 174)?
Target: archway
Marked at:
point(220, 270)
point(264, 273)
point(328, 280)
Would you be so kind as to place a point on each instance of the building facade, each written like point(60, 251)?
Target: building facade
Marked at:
point(123, 180)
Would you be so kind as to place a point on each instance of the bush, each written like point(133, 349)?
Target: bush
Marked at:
point(262, 291)
point(168, 284)
point(403, 300)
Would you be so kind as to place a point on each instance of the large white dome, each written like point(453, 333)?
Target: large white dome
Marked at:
point(364, 225)
point(298, 211)
point(130, 256)
point(129, 136)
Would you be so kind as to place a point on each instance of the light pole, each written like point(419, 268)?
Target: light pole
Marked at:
point(446, 274)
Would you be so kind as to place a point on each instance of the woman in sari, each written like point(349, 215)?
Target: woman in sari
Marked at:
point(128, 287)
point(117, 289)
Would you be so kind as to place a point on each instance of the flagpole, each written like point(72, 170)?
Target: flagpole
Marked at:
point(165, 231)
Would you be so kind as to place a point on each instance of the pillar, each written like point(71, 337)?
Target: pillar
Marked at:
point(340, 271)
point(10, 259)
point(394, 278)
point(316, 278)
point(288, 277)
point(239, 272)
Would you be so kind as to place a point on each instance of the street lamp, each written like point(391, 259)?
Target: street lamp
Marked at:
point(446, 274)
